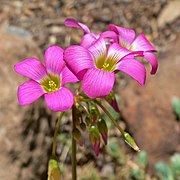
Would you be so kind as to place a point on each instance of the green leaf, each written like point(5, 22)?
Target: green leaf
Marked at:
point(142, 159)
point(175, 164)
point(176, 106)
point(164, 171)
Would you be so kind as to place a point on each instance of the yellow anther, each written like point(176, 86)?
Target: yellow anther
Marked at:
point(105, 66)
point(52, 86)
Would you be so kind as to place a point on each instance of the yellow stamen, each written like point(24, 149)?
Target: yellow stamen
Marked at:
point(53, 86)
point(105, 66)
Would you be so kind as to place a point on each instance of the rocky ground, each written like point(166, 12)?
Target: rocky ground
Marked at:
point(28, 27)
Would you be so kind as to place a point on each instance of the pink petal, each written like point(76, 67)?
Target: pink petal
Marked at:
point(68, 76)
point(110, 37)
point(134, 69)
point(73, 23)
point(88, 40)
point(98, 50)
point(54, 59)
point(29, 92)
point(117, 52)
point(126, 36)
point(78, 59)
point(60, 100)
point(97, 83)
point(152, 60)
point(142, 44)
point(31, 68)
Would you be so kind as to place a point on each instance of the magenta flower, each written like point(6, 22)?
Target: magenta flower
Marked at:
point(96, 66)
point(48, 80)
point(89, 37)
point(126, 38)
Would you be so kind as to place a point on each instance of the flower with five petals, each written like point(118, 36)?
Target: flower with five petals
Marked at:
point(126, 38)
point(96, 66)
point(48, 80)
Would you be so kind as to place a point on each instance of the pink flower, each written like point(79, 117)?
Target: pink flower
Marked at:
point(126, 38)
point(96, 66)
point(48, 80)
point(89, 37)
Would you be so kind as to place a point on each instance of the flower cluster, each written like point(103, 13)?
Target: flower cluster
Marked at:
point(94, 63)
point(99, 56)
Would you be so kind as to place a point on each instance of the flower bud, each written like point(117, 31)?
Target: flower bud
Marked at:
point(130, 141)
point(94, 113)
point(53, 169)
point(111, 99)
point(77, 136)
point(83, 126)
point(94, 137)
point(102, 127)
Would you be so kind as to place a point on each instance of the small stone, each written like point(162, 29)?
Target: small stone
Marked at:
point(18, 31)
point(107, 171)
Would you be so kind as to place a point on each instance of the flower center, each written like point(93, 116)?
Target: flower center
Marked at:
point(123, 44)
point(51, 83)
point(106, 64)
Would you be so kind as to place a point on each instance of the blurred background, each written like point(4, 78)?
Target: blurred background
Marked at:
point(151, 113)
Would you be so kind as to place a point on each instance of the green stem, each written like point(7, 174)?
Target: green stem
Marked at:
point(110, 117)
point(74, 174)
point(56, 133)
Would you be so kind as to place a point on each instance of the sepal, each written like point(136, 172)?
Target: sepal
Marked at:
point(102, 127)
point(94, 138)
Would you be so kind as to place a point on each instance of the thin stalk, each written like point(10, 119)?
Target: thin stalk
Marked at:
point(74, 173)
point(110, 117)
point(56, 133)
point(126, 136)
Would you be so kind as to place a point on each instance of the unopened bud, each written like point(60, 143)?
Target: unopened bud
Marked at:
point(53, 169)
point(102, 127)
point(130, 141)
point(94, 137)
point(83, 126)
point(94, 113)
point(77, 136)
point(111, 99)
